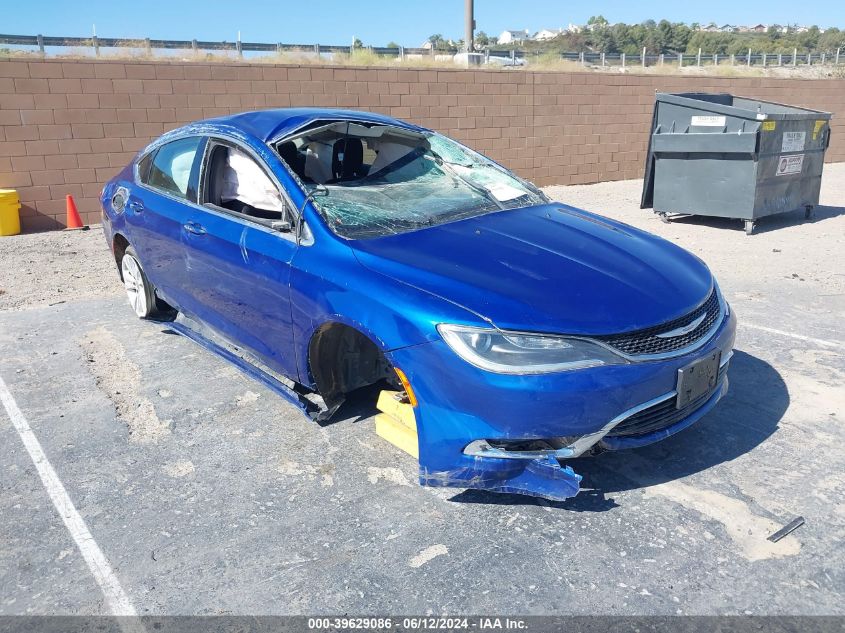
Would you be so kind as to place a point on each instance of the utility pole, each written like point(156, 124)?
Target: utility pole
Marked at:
point(469, 26)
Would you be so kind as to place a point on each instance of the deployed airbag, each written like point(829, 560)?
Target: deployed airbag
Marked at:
point(246, 182)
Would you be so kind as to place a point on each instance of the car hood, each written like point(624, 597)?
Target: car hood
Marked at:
point(547, 268)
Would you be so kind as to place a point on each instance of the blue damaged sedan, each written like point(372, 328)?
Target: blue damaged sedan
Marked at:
point(324, 251)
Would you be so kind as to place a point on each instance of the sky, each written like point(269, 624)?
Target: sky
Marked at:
point(376, 22)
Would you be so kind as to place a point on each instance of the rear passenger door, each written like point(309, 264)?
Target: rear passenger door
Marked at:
point(238, 259)
point(158, 208)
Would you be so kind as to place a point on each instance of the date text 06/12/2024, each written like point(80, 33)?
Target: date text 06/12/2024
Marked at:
point(417, 624)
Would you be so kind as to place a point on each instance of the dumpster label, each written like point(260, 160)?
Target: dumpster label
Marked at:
point(793, 142)
point(790, 165)
point(818, 128)
point(708, 121)
point(769, 126)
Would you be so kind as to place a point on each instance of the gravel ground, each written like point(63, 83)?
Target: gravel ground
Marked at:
point(42, 269)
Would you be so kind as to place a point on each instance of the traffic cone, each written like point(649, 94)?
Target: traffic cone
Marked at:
point(73, 219)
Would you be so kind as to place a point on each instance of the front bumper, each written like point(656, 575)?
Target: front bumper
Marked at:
point(579, 446)
point(463, 407)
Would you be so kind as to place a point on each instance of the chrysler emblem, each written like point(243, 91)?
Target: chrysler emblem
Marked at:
point(686, 329)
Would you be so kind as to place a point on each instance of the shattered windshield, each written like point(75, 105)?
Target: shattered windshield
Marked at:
point(378, 180)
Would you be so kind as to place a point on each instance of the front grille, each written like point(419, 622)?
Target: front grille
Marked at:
point(646, 342)
point(663, 414)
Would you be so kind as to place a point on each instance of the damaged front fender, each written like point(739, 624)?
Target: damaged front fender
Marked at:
point(444, 429)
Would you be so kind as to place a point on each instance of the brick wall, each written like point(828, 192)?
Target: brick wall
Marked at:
point(68, 126)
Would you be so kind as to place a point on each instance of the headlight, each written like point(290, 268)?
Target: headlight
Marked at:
point(507, 352)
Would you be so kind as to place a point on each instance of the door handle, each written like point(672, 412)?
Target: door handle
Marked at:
point(136, 205)
point(193, 227)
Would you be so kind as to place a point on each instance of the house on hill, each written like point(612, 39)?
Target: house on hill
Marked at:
point(514, 37)
point(548, 34)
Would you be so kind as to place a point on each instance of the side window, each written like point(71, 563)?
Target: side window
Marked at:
point(235, 181)
point(144, 167)
point(172, 165)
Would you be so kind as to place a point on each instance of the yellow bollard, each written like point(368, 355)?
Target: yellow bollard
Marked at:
point(10, 217)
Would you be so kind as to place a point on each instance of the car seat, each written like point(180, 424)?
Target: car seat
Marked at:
point(293, 158)
point(348, 159)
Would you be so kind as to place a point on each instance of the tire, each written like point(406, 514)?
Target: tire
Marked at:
point(139, 290)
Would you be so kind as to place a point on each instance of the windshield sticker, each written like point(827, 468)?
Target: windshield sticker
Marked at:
point(793, 142)
point(504, 192)
point(790, 165)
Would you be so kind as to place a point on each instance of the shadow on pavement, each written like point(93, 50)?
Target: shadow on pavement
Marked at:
point(765, 224)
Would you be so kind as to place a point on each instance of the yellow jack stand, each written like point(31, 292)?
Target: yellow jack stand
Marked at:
point(397, 423)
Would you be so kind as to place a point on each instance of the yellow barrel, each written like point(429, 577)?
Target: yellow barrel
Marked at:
point(10, 218)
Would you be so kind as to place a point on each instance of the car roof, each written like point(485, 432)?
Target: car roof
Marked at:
point(269, 125)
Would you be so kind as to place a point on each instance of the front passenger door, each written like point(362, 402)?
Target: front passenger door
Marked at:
point(238, 260)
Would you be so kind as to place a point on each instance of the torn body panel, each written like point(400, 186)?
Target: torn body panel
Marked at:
point(537, 478)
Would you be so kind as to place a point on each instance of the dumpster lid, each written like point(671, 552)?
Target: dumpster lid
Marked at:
point(741, 107)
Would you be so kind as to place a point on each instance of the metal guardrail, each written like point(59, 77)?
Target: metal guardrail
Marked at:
point(513, 57)
point(95, 43)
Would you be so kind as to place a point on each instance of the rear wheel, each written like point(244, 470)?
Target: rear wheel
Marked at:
point(139, 290)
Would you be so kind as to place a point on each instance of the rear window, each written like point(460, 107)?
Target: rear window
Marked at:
point(171, 167)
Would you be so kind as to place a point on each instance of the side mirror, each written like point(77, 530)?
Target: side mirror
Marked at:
point(282, 226)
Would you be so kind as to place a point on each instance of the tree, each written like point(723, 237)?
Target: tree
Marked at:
point(810, 39)
point(437, 41)
point(831, 40)
point(681, 35)
point(597, 20)
point(356, 43)
point(604, 40)
point(482, 39)
point(664, 35)
point(392, 44)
